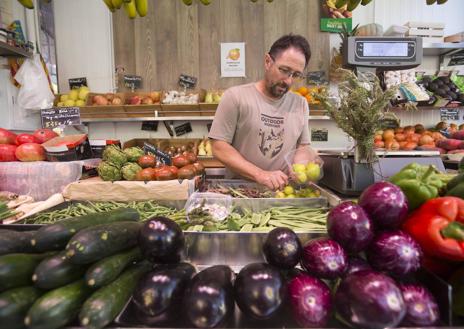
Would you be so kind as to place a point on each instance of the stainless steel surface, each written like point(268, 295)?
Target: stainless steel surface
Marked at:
point(215, 172)
point(435, 49)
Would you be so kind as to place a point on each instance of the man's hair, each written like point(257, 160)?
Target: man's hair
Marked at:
point(291, 41)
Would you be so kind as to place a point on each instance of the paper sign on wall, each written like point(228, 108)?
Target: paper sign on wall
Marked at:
point(232, 59)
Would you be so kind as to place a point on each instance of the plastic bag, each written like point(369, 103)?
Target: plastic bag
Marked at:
point(304, 165)
point(208, 207)
point(34, 93)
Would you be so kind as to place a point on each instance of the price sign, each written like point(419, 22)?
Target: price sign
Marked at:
point(388, 123)
point(319, 135)
point(60, 116)
point(183, 129)
point(449, 114)
point(163, 157)
point(187, 81)
point(150, 125)
point(133, 81)
point(76, 83)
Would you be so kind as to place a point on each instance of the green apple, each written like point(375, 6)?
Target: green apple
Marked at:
point(291, 196)
point(289, 190)
point(301, 177)
point(313, 171)
point(83, 93)
point(80, 102)
point(298, 167)
point(69, 102)
point(280, 195)
point(64, 98)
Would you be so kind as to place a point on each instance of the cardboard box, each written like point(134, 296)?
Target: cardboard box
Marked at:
point(68, 148)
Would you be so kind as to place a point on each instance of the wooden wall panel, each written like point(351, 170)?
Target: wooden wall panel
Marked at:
point(174, 38)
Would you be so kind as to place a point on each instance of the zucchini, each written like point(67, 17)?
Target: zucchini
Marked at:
point(57, 307)
point(14, 304)
point(97, 242)
point(107, 302)
point(56, 271)
point(16, 269)
point(15, 242)
point(56, 236)
point(109, 268)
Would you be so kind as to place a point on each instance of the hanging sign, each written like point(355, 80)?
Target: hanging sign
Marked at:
point(333, 19)
point(187, 81)
point(447, 114)
point(183, 129)
point(76, 83)
point(233, 59)
point(132, 81)
point(319, 135)
point(60, 116)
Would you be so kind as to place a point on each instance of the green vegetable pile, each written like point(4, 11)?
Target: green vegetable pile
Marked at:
point(296, 218)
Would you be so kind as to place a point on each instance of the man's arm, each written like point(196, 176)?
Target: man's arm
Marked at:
point(232, 159)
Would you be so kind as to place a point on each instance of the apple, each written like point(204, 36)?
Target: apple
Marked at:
point(69, 102)
point(289, 190)
point(313, 171)
point(80, 102)
point(26, 138)
point(301, 177)
point(298, 167)
point(64, 98)
point(135, 100)
point(280, 195)
point(30, 152)
point(83, 92)
point(74, 95)
point(7, 137)
point(147, 101)
point(116, 101)
point(7, 152)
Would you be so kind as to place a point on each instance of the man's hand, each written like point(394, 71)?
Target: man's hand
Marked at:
point(275, 180)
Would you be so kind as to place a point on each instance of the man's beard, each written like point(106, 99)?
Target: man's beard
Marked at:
point(279, 89)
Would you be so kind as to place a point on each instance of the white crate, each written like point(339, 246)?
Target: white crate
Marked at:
point(429, 31)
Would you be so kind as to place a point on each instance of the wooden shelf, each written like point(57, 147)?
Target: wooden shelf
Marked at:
point(10, 51)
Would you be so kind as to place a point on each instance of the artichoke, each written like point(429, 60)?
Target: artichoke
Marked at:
point(133, 153)
point(108, 171)
point(129, 170)
point(114, 155)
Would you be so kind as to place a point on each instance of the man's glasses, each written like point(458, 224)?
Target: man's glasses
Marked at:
point(295, 75)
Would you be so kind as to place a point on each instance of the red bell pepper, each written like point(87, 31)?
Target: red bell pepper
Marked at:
point(438, 227)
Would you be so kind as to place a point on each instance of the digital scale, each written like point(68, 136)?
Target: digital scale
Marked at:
point(372, 54)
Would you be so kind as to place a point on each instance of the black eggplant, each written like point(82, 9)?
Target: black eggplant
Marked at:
point(161, 290)
point(282, 248)
point(161, 240)
point(260, 290)
point(209, 299)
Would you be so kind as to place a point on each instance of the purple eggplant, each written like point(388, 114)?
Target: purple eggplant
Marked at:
point(356, 264)
point(161, 240)
point(369, 299)
point(161, 291)
point(310, 301)
point(282, 248)
point(324, 258)
point(349, 225)
point(421, 307)
point(395, 252)
point(209, 298)
point(260, 291)
point(385, 204)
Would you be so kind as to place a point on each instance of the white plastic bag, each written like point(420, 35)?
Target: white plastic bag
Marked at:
point(35, 93)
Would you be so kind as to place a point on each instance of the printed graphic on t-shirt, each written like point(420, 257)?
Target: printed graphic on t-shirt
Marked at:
point(271, 135)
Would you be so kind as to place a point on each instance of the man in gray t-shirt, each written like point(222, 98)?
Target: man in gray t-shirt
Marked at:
point(257, 124)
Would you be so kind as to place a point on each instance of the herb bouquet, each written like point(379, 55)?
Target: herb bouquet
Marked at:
point(360, 110)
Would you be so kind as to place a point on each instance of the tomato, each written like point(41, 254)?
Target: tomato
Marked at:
point(7, 137)
point(7, 152)
point(44, 135)
point(30, 152)
point(147, 161)
point(26, 138)
point(145, 174)
point(173, 169)
point(180, 161)
point(165, 173)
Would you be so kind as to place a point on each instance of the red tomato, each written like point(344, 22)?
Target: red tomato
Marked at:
point(7, 137)
point(145, 174)
point(26, 138)
point(7, 152)
point(30, 152)
point(44, 135)
point(147, 161)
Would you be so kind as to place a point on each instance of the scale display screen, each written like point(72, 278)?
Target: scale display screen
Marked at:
point(384, 49)
point(384, 52)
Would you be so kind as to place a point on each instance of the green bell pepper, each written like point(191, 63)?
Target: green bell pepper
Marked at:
point(419, 183)
point(455, 187)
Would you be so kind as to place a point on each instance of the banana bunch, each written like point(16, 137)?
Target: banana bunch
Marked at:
point(29, 4)
point(132, 7)
point(438, 2)
point(350, 4)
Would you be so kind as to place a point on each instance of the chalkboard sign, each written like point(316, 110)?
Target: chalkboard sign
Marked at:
point(187, 81)
point(183, 129)
point(76, 83)
point(150, 125)
point(133, 81)
point(168, 128)
point(60, 116)
point(449, 114)
point(319, 135)
point(388, 123)
point(162, 157)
